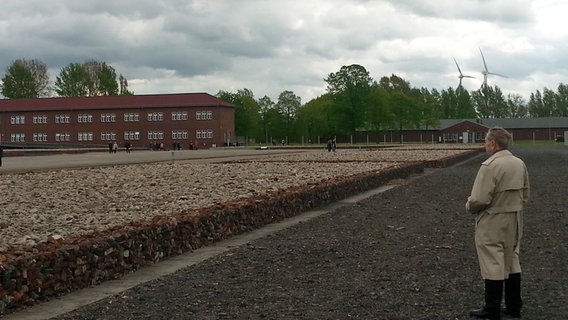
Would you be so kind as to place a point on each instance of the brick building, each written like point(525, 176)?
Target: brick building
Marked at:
point(471, 131)
point(197, 119)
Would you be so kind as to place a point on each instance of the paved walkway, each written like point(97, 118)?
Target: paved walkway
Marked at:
point(78, 160)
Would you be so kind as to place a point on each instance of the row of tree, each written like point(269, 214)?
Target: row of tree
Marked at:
point(30, 79)
point(354, 102)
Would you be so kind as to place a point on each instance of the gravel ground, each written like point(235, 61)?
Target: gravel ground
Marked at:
point(404, 254)
point(37, 206)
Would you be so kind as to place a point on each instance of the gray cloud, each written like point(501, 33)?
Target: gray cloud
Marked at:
point(268, 47)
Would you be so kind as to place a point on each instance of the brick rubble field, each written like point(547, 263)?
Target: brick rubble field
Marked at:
point(40, 206)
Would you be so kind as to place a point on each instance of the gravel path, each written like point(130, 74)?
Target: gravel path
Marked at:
point(405, 254)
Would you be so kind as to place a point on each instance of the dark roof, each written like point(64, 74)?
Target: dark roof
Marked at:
point(107, 102)
point(511, 123)
point(472, 124)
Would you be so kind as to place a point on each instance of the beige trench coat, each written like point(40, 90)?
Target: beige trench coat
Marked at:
point(500, 190)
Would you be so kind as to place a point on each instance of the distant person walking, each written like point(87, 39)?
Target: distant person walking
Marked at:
point(114, 147)
point(500, 190)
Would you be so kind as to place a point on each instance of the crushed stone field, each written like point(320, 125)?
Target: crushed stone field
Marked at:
point(40, 206)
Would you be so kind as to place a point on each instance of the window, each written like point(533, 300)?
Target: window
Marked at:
point(204, 115)
point(18, 137)
point(18, 120)
point(82, 118)
point(204, 134)
point(85, 136)
point(181, 115)
point(42, 137)
point(62, 137)
point(39, 119)
point(180, 134)
point(108, 117)
point(450, 136)
point(156, 116)
point(131, 117)
point(108, 136)
point(131, 135)
point(62, 118)
point(155, 135)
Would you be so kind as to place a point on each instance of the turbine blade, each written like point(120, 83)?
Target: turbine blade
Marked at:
point(483, 58)
point(497, 74)
point(458, 67)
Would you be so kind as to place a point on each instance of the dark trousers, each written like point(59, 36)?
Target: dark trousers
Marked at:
point(493, 295)
point(513, 301)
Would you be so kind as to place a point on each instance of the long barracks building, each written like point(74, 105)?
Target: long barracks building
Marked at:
point(188, 119)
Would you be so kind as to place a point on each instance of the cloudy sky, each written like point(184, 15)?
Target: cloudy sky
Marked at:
point(168, 46)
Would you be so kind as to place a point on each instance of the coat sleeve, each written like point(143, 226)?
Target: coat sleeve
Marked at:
point(482, 191)
point(526, 187)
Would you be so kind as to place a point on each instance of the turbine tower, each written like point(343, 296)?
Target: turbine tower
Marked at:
point(486, 72)
point(461, 76)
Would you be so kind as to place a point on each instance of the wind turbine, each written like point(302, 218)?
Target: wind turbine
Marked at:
point(485, 71)
point(461, 76)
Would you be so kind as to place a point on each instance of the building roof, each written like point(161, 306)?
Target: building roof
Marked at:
point(511, 123)
point(107, 102)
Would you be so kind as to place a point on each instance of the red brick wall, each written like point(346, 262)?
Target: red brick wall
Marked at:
point(222, 126)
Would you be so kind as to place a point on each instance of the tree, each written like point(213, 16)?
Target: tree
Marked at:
point(108, 85)
point(536, 106)
point(269, 117)
point(350, 88)
point(123, 83)
point(448, 104)
point(92, 78)
point(516, 106)
point(313, 118)
point(562, 100)
point(378, 115)
point(456, 104)
point(464, 104)
point(404, 110)
point(426, 102)
point(490, 102)
point(288, 104)
point(549, 100)
point(348, 78)
point(435, 99)
point(26, 79)
point(247, 113)
point(395, 83)
point(71, 81)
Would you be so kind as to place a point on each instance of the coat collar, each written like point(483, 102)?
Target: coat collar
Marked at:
point(498, 154)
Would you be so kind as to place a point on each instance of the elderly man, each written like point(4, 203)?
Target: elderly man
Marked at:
point(500, 190)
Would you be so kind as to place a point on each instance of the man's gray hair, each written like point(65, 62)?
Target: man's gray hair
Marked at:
point(501, 136)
